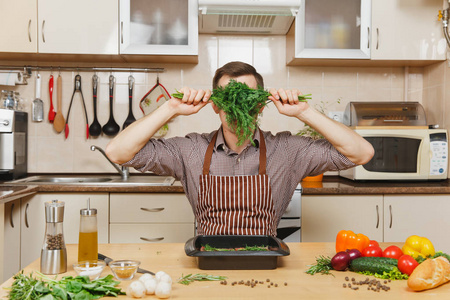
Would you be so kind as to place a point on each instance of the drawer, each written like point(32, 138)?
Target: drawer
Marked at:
point(151, 233)
point(150, 208)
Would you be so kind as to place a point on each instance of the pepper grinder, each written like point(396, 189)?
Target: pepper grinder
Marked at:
point(53, 253)
point(88, 237)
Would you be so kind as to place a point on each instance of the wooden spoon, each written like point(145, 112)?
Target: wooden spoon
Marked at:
point(59, 122)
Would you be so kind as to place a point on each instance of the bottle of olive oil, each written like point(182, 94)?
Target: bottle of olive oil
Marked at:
point(88, 237)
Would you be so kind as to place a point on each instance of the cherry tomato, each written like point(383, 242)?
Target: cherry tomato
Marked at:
point(407, 264)
point(392, 252)
point(372, 251)
point(373, 243)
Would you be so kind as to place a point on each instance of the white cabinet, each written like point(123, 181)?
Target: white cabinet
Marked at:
point(332, 29)
point(155, 217)
point(24, 225)
point(385, 218)
point(63, 27)
point(18, 26)
point(78, 27)
point(324, 216)
point(11, 241)
point(366, 32)
point(407, 30)
point(422, 215)
point(159, 27)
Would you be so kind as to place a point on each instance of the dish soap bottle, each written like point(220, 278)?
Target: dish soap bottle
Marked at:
point(88, 238)
point(53, 253)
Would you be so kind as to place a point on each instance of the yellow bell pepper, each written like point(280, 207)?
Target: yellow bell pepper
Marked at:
point(418, 246)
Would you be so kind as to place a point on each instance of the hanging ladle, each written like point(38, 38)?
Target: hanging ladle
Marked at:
point(95, 129)
point(111, 128)
point(130, 119)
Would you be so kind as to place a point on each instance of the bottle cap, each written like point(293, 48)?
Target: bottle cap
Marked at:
point(54, 211)
point(88, 211)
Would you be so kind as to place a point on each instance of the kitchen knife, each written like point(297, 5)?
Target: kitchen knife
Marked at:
point(108, 260)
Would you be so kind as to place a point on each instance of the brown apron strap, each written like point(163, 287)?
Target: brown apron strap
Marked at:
point(262, 154)
point(208, 155)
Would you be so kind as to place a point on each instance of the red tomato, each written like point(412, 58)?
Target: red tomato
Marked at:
point(392, 252)
point(373, 243)
point(407, 264)
point(372, 251)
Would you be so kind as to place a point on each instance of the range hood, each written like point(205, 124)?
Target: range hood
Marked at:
point(247, 16)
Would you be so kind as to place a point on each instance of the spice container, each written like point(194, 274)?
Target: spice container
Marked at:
point(53, 253)
point(88, 237)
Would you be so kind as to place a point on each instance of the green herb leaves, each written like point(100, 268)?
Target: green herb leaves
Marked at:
point(188, 279)
point(68, 288)
point(322, 266)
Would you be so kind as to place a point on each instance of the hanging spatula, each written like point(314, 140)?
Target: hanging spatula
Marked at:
point(38, 104)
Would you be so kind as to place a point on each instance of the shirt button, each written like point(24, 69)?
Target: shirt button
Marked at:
point(239, 159)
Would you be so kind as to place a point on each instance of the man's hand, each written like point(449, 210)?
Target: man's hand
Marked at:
point(193, 100)
point(287, 103)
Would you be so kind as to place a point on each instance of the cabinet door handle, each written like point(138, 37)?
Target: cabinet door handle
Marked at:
point(152, 239)
point(368, 37)
point(390, 213)
point(11, 221)
point(121, 32)
point(378, 218)
point(378, 37)
point(26, 215)
point(43, 35)
point(158, 209)
point(29, 30)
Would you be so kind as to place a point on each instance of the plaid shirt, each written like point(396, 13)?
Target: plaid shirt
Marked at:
point(289, 159)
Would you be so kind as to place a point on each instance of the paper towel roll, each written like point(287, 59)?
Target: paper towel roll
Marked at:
point(11, 78)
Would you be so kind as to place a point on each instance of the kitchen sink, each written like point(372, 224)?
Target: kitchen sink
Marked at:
point(69, 180)
point(112, 180)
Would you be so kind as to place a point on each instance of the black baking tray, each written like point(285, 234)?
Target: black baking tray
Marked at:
point(236, 260)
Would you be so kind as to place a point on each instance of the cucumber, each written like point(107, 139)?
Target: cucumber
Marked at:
point(374, 264)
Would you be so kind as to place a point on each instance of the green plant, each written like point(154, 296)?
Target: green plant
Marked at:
point(307, 130)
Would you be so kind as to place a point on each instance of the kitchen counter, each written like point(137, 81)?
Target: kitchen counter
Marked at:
point(171, 259)
point(331, 185)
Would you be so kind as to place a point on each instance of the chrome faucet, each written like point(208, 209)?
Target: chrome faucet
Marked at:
point(123, 171)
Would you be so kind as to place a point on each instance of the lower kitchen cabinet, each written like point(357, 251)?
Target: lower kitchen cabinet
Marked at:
point(24, 225)
point(422, 215)
point(155, 217)
point(385, 218)
point(323, 216)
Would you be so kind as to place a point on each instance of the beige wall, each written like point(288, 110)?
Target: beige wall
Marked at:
point(50, 152)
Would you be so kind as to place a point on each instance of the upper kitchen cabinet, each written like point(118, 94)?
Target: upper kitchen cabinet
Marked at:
point(59, 27)
point(78, 27)
point(407, 30)
point(365, 32)
point(158, 28)
point(18, 26)
point(330, 29)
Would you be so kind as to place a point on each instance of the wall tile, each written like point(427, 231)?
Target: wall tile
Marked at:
point(235, 48)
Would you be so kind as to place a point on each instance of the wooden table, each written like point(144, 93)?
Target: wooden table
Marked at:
point(171, 259)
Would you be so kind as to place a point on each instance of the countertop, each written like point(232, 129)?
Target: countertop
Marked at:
point(171, 259)
point(331, 185)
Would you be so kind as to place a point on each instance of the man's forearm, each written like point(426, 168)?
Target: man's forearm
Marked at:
point(128, 142)
point(345, 140)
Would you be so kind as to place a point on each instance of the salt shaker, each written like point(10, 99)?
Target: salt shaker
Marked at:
point(53, 253)
point(88, 237)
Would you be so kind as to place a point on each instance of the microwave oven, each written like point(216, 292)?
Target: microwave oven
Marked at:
point(403, 153)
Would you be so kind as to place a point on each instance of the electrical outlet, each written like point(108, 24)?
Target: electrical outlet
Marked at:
point(336, 115)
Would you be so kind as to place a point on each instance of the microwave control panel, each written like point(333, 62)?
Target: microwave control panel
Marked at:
point(439, 153)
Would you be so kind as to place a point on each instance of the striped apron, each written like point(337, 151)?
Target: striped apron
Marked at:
point(235, 205)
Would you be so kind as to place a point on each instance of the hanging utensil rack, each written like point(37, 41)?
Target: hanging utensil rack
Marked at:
point(27, 70)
